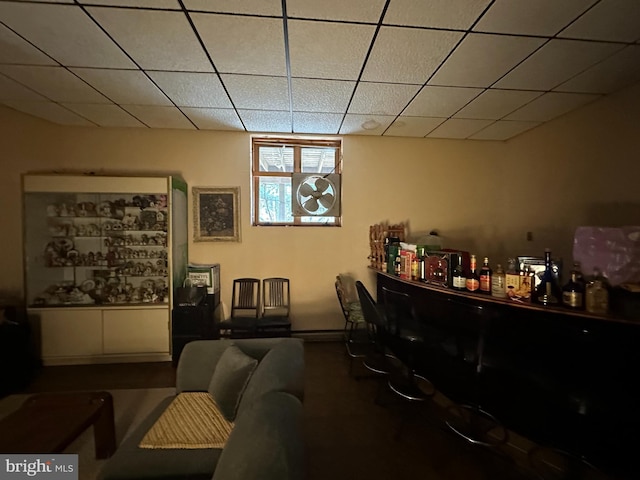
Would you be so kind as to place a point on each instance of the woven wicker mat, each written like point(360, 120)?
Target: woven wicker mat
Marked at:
point(192, 420)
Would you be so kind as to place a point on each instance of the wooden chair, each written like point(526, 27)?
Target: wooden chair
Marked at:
point(276, 298)
point(245, 309)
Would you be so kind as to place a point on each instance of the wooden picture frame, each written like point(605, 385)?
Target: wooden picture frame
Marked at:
point(216, 214)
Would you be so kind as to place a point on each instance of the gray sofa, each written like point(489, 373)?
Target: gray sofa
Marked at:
point(266, 440)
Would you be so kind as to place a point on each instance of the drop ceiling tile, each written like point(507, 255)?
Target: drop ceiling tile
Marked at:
point(328, 96)
point(356, 124)
point(55, 83)
point(214, 118)
point(12, 90)
point(616, 72)
point(459, 128)
point(156, 40)
point(192, 89)
point(257, 93)
point(613, 20)
point(266, 121)
point(459, 14)
point(134, 3)
point(495, 104)
point(382, 98)
point(130, 87)
point(18, 51)
point(413, 126)
point(49, 111)
point(368, 11)
point(320, 123)
point(440, 101)
point(401, 55)
point(531, 17)
point(249, 7)
point(551, 105)
point(503, 130)
point(243, 44)
point(481, 59)
point(159, 117)
point(328, 50)
point(556, 62)
point(65, 33)
point(104, 115)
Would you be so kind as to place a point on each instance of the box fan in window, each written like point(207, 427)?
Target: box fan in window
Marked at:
point(316, 194)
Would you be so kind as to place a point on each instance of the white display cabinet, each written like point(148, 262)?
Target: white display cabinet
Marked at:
point(102, 254)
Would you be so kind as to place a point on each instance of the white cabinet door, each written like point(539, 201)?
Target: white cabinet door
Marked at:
point(71, 333)
point(136, 331)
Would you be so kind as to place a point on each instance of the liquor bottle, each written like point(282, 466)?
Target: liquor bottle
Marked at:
point(397, 265)
point(473, 280)
point(511, 278)
point(415, 268)
point(459, 280)
point(485, 276)
point(597, 294)
point(438, 274)
point(548, 292)
point(498, 284)
point(573, 291)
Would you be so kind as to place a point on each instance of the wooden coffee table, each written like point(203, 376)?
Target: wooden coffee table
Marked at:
point(49, 422)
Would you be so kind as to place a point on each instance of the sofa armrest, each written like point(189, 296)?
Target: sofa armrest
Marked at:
point(197, 363)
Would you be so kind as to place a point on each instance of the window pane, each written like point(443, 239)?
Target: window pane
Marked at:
point(318, 219)
point(318, 160)
point(275, 200)
point(276, 159)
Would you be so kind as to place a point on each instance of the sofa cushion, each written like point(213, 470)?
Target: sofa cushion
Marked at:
point(229, 380)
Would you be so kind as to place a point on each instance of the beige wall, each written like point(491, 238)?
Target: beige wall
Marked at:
point(482, 196)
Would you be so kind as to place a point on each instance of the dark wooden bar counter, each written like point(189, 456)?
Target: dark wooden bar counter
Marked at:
point(567, 380)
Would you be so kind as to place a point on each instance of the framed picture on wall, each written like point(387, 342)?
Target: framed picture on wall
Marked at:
point(216, 213)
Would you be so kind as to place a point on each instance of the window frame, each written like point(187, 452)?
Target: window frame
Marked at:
point(297, 144)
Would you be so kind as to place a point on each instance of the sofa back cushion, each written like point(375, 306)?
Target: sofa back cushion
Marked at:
point(230, 379)
point(280, 370)
point(266, 442)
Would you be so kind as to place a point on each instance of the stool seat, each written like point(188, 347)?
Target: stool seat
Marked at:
point(381, 363)
point(411, 387)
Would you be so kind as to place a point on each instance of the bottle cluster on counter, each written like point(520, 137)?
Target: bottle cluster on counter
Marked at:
point(526, 279)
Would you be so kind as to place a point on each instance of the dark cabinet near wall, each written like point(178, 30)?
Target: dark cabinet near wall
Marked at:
point(566, 380)
point(191, 323)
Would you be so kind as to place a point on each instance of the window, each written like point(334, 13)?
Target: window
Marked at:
point(275, 160)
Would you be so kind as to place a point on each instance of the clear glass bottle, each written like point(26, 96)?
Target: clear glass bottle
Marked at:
point(548, 292)
point(459, 280)
point(573, 292)
point(597, 294)
point(485, 276)
point(473, 280)
point(498, 283)
point(415, 268)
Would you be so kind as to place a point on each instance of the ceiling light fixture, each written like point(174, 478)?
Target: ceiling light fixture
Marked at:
point(370, 125)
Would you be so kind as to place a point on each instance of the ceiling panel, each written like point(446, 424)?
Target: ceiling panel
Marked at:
point(65, 33)
point(18, 51)
point(614, 20)
point(243, 44)
point(365, 124)
point(131, 87)
point(503, 130)
point(12, 90)
point(416, 63)
point(214, 118)
point(192, 89)
point(457, 14)
point(328, 50)
point(258, 93)
point(616, 72)
point(352, 11)
point(329, 96)
point(266, 121)
point(105, 115)
point(310, 122)
point(495, 104)
point(156, 116)
point(459, 128)
point(49, 111)
point(551, 105)
point(249, 7)
point(556, 62)
point(440, 101)
point(470, 66)
point(413, 126)
point(55, 83)
point(382, 98)
point(156, 40)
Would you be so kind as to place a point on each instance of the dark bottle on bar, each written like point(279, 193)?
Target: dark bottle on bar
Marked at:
point(548, 292)
point(485, 277)
point(458, 278)
point(574, 289)
point(473, 280)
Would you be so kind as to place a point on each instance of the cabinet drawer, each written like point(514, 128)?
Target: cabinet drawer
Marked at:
point(68, 333)
point(136, 331)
